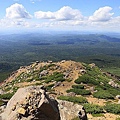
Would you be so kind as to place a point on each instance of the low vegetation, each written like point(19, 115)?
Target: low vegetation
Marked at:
point(94, 77)
point(76, 118)
point(78, 86)
point(103, 94)
point(46, 67)
point(86, 79)
point(93, 109)
point(93, 82)
point(6, 96)
point(80, 91)
point(49, 86)
point(58, 77)
point(1, 102)
point(112, 108)
point(78, 100)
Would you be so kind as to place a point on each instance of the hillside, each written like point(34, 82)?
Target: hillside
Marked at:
point(21, 49)
point(85, 84)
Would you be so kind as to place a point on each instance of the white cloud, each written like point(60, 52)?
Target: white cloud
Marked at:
point(44, 15)
point(102, 14)
point(33, 1)
point(17, 11)
point(65, 13)
point(65, 18)
point(15, 23)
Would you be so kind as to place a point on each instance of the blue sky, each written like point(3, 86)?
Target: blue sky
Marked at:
point(81, 15)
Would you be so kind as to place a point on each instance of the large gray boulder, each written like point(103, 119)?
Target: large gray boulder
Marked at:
point(69, 110)
point(31, 103)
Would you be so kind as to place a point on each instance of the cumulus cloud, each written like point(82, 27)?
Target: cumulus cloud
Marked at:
point(33, 1)
point(44, 15)
point(65, 13)
point(102, 14)
point(64, 18)
point(17, 11)
point(6, 23)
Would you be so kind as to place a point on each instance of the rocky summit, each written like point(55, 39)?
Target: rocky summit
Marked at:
point(32, 103)
point(65, 90)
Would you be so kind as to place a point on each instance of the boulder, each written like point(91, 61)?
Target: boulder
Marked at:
point(56, 84)
point(113, 84)
point(72, 94)
point(43, 73)
point(69, 111)
point(117, 97)
point(1, 92)
point(31, 103)
point(21, 111)
point(118, 101)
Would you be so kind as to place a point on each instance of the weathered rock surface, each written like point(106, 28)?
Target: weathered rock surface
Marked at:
point(118, 97)
point(69, 110)
point(31, 103)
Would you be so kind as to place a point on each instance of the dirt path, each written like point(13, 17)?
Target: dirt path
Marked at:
point(107, 116)
point(97, 101)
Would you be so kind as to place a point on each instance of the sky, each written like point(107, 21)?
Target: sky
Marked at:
point(66, 15)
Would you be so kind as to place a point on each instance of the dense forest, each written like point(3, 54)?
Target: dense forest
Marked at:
point(21, 49)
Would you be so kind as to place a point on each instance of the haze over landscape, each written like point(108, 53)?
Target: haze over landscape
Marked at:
point(64, 15)
point(59, 60)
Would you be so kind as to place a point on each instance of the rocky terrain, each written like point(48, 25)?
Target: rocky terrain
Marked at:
point(60, 91)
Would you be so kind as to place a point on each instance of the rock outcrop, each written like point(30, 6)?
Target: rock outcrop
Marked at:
point(69, 110)
point(31, 103)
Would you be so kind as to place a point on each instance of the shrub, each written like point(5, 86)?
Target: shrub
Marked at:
point(80, 91)
point(38, 83)
point(15, 89)
point(112, 108)
point(7, 89)
point(98, 115)
point(30, 80)
point(76, 118)
point(51, 65)
point(59, 79)
point(102, 87)
point(107, 88)
point(73, 99)
point(84, 78)
point(103, 94)
point(43, 68)
point(1, 102)
point(78, 86)
point(57, 74)
point(114, 91)
point(87, 79)
point(93, 109)
point(6, 96)
point(118, 118)
point(55, 77)
point(49, 86)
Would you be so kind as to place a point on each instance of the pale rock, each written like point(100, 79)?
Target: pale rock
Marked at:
point(21, 111)
point(119, 102)
point(69, 110)
point(117, 97)
point(31, 103)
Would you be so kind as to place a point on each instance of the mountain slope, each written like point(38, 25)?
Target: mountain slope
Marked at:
point(72, 81)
